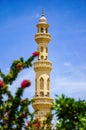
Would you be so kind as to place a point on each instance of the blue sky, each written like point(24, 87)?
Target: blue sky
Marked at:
point(67, 49)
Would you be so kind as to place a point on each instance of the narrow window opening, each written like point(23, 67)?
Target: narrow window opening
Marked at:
point(41, 49)
point(48, 84)
point(42, 30)
point(41, 94)
point(41, 83)
point(42, 57)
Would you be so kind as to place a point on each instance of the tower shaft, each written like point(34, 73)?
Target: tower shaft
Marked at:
point(42, 67)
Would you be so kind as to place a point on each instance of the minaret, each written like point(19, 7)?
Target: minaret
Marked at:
point(42, 100)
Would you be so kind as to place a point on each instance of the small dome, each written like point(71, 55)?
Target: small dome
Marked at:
point(42, 19)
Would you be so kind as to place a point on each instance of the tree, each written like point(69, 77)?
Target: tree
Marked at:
point(71, 114)
point(14, 111)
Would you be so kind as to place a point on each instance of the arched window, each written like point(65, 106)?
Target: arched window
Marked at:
point(41, 94)
point(41, 83)
point(48, 84)
point(41, 49)
point(42, 57)
point(42, 30)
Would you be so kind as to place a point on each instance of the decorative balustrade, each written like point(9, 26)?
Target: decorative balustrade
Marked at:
point(41, 37)
point(43, 65)
point(42, 100)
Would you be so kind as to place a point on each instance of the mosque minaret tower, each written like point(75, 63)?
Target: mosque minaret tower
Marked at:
point(42, 100)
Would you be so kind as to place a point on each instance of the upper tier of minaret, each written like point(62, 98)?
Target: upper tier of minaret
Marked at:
point(42, 35)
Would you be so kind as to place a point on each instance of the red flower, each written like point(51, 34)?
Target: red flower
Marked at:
point(36, 53)
point(1, 83)
point(37, 124)
point(25, 83)
point(19, 66)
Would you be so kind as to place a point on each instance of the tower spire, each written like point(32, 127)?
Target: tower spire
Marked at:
point(42, 12)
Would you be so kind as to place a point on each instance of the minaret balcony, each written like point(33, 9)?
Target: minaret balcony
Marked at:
point(42, 65)
point(42, 38)
point(42, 102)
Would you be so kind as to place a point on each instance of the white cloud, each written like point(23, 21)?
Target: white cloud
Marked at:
point(74, 84)
point(67, 64)
point(75, 89)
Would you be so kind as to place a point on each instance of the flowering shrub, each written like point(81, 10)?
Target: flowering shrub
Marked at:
point(14, 111)
point(37, 124)
point(19, 66)
point(35, 54)
point(1, 84)
point(25, 83)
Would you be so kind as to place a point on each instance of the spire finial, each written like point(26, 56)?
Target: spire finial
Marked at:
point(42, 12)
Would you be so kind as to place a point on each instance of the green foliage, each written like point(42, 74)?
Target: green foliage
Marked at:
point(14, 111)
point(71, 114)
point(15, 68)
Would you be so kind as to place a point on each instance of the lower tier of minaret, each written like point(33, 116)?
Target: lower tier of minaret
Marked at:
point(43, 105)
